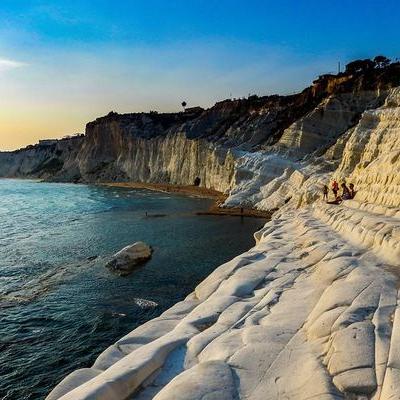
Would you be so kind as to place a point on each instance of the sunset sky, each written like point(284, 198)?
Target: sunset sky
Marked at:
point(64, 63)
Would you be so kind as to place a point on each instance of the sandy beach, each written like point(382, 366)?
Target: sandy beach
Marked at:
point(197, 191)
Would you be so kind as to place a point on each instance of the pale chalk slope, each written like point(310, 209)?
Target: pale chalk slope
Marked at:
point(276, 178)
point(311, 312)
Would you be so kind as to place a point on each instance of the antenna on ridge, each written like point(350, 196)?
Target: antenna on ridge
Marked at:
point(338, 67)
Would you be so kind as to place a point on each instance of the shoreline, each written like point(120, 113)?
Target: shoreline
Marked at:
point(183, 190)
point(132, 294)
point(196, 191)
point(186, 190)
point(298, 300)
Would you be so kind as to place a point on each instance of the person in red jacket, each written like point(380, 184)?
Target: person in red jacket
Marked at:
point(335, 188)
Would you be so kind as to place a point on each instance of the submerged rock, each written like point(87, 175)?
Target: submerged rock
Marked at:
point(129, 257)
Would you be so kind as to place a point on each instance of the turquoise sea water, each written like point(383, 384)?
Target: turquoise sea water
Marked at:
point(59, 307)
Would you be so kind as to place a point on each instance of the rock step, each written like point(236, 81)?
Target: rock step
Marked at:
point(353, 317)
point(369, 229)
point(378, 209)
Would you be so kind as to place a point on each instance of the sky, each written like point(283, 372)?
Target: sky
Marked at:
point(64, 63)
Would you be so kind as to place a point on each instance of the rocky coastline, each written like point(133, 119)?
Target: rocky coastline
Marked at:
point(312, 310)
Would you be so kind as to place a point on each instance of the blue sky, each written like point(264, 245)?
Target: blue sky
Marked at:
point(63, 63)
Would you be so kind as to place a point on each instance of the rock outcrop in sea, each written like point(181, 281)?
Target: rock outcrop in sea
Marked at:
point(127, 259)
point(312, 310)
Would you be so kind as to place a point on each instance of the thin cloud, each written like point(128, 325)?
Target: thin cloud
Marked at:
point(6, 64)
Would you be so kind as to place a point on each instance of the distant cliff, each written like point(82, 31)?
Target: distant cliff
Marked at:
point(205, 145)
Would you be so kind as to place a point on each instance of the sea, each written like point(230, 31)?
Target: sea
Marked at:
point(60, 307)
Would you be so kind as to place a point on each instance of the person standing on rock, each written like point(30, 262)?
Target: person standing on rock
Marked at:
point(335, 188)
point(352, 191)
point(325, 192)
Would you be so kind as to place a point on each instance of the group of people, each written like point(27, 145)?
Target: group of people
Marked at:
point(348, 192)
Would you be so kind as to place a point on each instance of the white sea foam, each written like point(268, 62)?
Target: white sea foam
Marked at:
point(143, 303)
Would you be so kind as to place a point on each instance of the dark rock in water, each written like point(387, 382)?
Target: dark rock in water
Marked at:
point(125, 261)
point(155, 215)
point(91, 258)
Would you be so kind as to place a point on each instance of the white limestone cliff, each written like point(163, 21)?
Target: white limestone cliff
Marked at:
point(292, 182)
point(323, 125)
point(269, 179)
point(40, 160)
point(312, 311)
point(205, 146)
point(174, 159)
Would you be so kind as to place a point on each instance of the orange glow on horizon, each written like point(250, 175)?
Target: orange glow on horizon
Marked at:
point(17, 131)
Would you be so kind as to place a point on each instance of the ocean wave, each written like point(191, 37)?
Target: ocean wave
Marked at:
point(32, 289)
point(38, 286)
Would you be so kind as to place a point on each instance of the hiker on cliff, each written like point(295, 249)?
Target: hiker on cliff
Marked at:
point(325, 192)
point(352, 191)
point(335, 188)
point(346, 195)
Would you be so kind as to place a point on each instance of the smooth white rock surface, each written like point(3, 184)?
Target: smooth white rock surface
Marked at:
point(304, 314)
